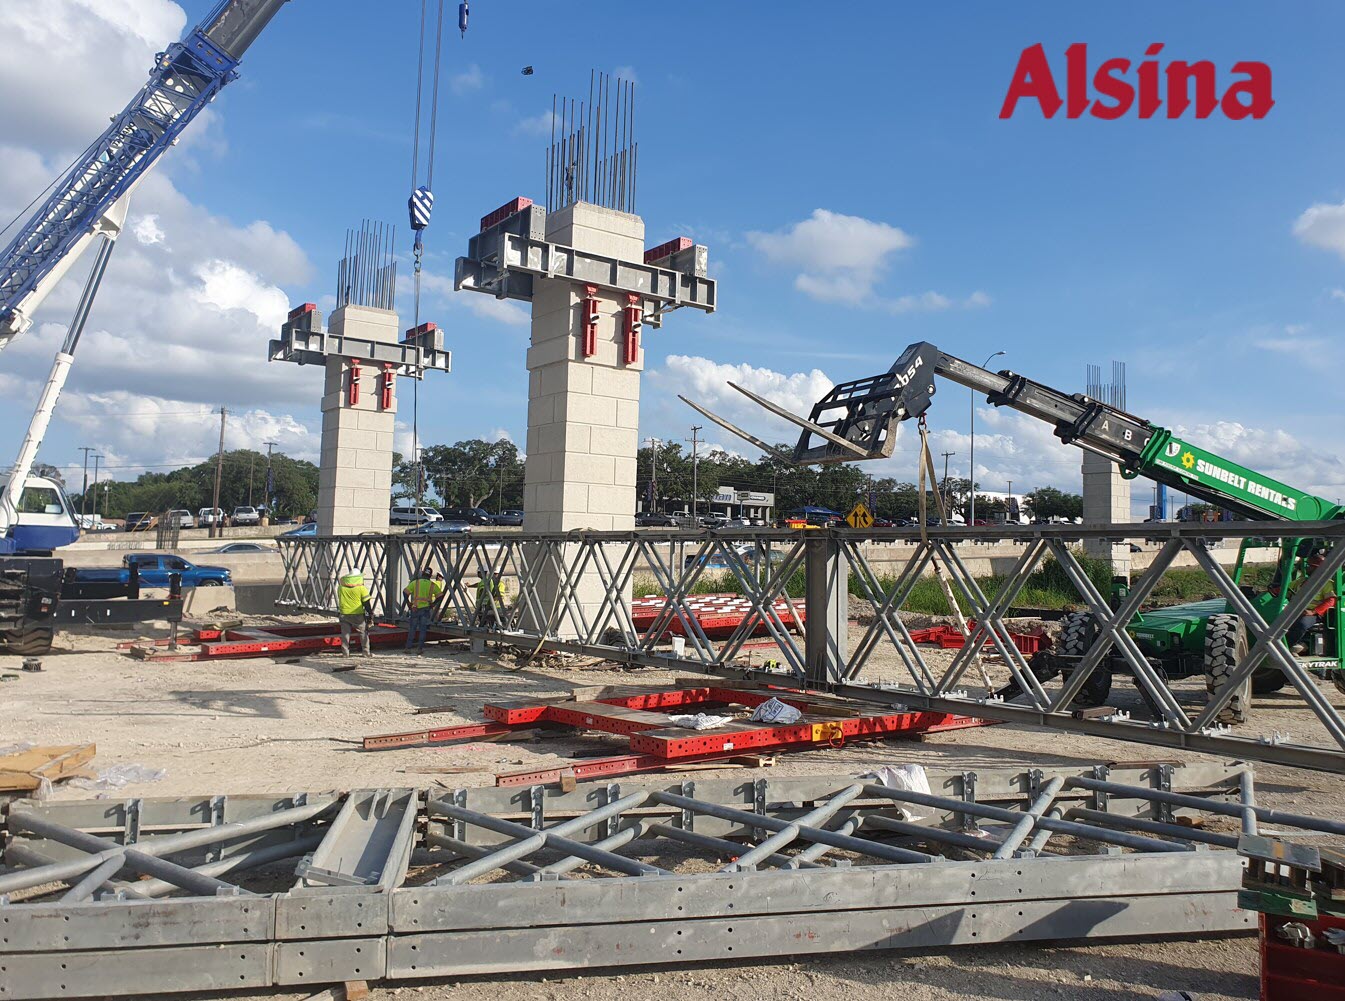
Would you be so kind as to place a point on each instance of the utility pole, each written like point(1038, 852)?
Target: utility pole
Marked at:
point(654, 443)
point(217, 515)
point(84, 495)
point(252, 464)
point(946, 457)
point(1008, 503)
point(96, 457)
point(269, 445)
point(696, 429)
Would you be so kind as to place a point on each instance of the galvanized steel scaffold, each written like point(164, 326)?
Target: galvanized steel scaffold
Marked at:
point(143, 896)
point(816, 571)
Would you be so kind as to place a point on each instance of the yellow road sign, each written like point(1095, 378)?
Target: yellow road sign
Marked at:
point(860, 516)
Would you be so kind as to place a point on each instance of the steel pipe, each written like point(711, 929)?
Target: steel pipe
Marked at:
point(782, 837)
point(1025, 826)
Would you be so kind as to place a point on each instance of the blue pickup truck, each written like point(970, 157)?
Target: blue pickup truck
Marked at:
point(156, 570)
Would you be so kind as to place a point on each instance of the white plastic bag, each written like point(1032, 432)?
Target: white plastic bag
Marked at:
point(908, 778)
point(117, 776)
point(775, 711)
point(700, 721)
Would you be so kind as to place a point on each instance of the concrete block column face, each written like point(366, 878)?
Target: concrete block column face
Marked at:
point(583, 412)
point(355, 470)
point(1106, 501)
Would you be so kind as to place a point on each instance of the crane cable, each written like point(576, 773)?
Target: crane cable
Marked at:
point(421, 202)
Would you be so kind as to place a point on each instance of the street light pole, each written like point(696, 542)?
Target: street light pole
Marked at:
point(84, 495)
point(96, 457)
point(696, 430)
point(972, 472)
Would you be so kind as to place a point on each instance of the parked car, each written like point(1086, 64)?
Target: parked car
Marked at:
point(246, 514)
point(510, 519)
point(714, 521)
point(208, 517)
point(440, 527)
point(410, 514)
point(156, 570)
point(309, 531)
point(654, 519)
point(471, 515)
point(139, 521)
point(234, 548)
point(179, 517)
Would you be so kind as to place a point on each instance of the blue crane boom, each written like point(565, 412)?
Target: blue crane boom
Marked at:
point(183, 81)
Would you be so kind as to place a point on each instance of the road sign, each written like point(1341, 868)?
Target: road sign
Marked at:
point(860, 516)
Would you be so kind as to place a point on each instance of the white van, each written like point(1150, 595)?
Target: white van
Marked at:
point(409, 514)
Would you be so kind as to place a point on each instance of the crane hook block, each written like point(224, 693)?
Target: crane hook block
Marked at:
point(420, 205)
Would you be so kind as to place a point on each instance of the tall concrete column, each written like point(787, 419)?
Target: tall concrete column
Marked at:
point(1106, 501)
point(583, 412)
point(358, 419)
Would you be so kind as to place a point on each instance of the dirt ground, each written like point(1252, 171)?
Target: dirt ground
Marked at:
point(277, 725)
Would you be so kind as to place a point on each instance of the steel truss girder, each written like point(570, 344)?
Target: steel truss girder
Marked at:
point(677, 562)
point(628, 908)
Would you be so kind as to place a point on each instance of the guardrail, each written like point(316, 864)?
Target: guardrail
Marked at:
point(573, 594)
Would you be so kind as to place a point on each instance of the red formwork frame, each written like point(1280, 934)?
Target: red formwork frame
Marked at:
point(265, 641)
point(642, 717)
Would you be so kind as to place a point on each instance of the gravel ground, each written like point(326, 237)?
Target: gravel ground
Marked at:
point(274, 725)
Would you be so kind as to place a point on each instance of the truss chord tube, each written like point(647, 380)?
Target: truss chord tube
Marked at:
point(518, 868)
point(1150, 826)
point(85, 888)
point(1025, 826)
point(931, 832)
point(1263, 814)
point(755, 820)
point(819, 815)
point(1062, 826)
point(725, 847)
point(234, 863)
point(160, 845)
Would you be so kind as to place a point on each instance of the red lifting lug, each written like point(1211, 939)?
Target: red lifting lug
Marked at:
point(634, 321)
point(388, 379)
point(353, 391)
point(589, 326)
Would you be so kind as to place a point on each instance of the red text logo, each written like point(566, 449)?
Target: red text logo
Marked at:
point(1175, 87)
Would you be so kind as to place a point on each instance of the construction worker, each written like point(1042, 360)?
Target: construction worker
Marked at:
point(487, 588)
point(1299, 632)
point(355, 608)
point(420, 598)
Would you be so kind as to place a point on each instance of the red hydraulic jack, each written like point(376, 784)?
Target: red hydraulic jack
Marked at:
point(642, 717)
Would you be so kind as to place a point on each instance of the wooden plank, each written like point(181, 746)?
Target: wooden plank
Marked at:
point(24, 770)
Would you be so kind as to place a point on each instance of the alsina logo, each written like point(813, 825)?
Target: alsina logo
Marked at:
point(1176, 87)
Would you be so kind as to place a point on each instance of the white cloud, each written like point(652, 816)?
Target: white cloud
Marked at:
point(843, 258)
point(180, 432)
point(182, 321)
point(146, 230)
point(706, 382)
point(537, 125)
point(488, 307)
point(626, 73)
point(467, 81)
point(1271, 451)
point(71, 64)
point(839, 257)
point(1293, 340)
point(1322, 226)
point(1338, 294)
point(498, 434)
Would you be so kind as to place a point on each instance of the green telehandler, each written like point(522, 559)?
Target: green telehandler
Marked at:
point(857, 420)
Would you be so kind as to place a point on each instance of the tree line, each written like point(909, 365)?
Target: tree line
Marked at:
point(243, 482)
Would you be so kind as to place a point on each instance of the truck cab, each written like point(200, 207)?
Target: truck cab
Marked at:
point(44, 520)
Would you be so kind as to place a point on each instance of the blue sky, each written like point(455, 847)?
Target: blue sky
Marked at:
point(845, 164)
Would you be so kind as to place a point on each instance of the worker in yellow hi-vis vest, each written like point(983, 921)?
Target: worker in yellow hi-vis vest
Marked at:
point(420, 598)
point(490, 599)
point(354, 604)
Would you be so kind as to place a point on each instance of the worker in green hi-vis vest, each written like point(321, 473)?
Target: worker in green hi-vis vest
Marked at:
point(354, 607)
point(420, 598)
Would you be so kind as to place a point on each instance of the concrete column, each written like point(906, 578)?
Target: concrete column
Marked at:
point(355, 473)
point(583, 413)
point(1106, 501)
